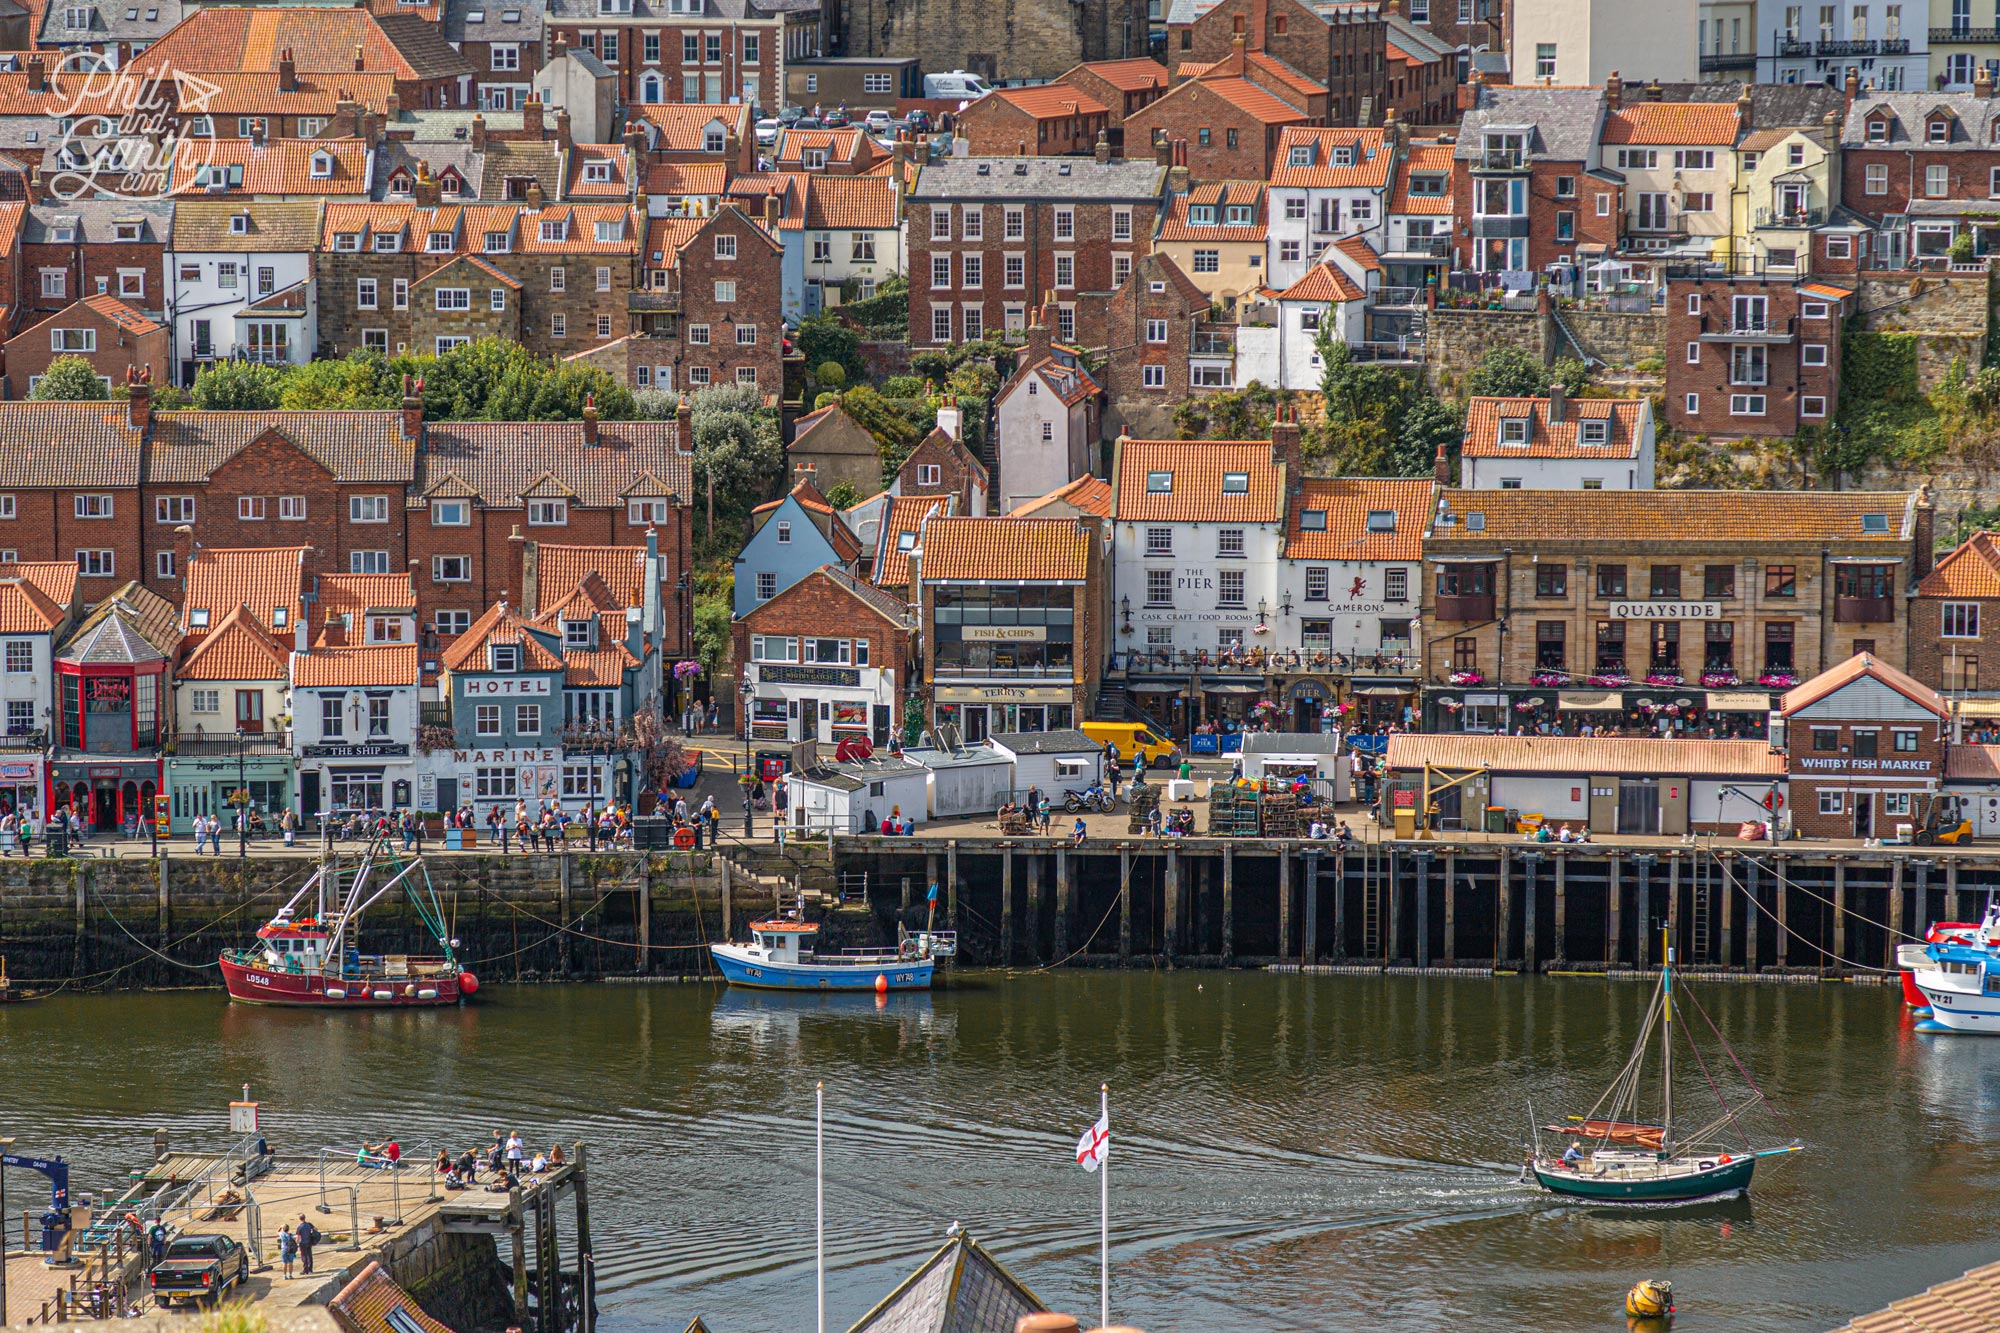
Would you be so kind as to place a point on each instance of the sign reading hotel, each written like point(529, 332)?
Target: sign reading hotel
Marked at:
point(503, 686)
point(1666, 610)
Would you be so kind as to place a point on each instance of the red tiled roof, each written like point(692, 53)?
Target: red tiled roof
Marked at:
point(278, 166)
point(676, 179)
point(834, 202)
point(26, 608)
point(602, 668)
point(1264, 63)
point(1344, 532)
point(582, 155)
point(1824, 291)
point(365, 1304)
point(681, 126)
point(1250, 99)
point(1356, 247)
point(236, 649)
point(1196, 470)
point(562, 570)
point(1553, 439)
point(255, 92)
point(1131, 76)
point(1324, 281)
point(1672, 123)
point(1972, 570)
point(1857, 667)
point(501, 624)
point(120, 314)
point(54, 579)
point(265, 579)
point(355, 595)
point(1049, 101)
point(1090, 494)
point(1367, 170)
point(469, 223)
point(905, 514)
point(1218, 195)
point(322, 40)
point(959, 549)
point(1424, 160)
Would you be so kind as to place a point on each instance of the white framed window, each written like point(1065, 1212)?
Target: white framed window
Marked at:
point(173, 509)
point(558, 325)
point(454, 298)
point(725, 246)
point(486, 719)
point(1694, 353)
point(1812, 406)
point(97, 564)
point(643, 513)
point(1814, 354)
point(451, 569)
point(163, 564)
point(725, 293)
point(250, 508)
point(548, 513)
point(399, 293)
point(1156, 330)
point(365, 293)
point(451, 622)
point(206, 701)
point(1959, 620)
point(1152, 377)
point(450, 513)
point(1832, 801)
point(292, 508)
point(1746, 404)
point(94, 506)
point(368, 562)
point(767, 585)
point(368, 509)
point(527, 719)
point(698, 335)
point(1691, 403)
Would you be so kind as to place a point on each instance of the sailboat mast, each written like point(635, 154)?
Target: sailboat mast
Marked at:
point(1667, 1043)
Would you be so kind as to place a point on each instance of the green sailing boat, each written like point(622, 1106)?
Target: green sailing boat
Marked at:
point(1615, 1157)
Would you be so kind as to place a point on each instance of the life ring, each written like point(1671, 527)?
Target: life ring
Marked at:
point(685, 837)
point(907, 949)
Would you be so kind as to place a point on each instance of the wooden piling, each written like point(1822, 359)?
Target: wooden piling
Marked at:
point(951, 885)
point(1065, 904)
point(1781, 874)
point(728, 892)
point(1424, 911)
point(1727, 888)
point(1450, 909)
point(585, 1264)
point(1674, 902)
point(1007, 908)
point(1229, 908)
point(643, 894)
point(1895, 914)
point(1309, 948)
point(1955, 911)
point(1839, 915)
point(1503, 907)
point(166, 923)
point(1561, 941)
point(1032, 922)
point(565, 959)
point(1613, 891)
point(1171, 937)
point(1124, 903)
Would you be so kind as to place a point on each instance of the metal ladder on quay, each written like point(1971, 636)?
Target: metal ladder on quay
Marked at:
point(1699, 938)
point(1371, 902)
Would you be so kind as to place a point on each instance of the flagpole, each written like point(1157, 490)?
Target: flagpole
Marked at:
point(819, 1199)
point(1104, 1216)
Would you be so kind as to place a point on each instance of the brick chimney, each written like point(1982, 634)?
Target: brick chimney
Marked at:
point(478, 133)
point(1037, 346)
point(1163, 149)
point(425, 192)
point(562, 128)
point(1982, 83)
point(413, 408)
point(534, 199)
point(38, 75)
point(1558, 404)
point(590, 418)
point(1746, 108)
point(1614, 90)
point(1286, 447)
point(1260, 19)
point(1654, 92)
point(1441, 468)
point(531, 119)
point(1853, 84)
point(771, 213)
point(288, 73)
point(1468, 92)
point(950, 419)
point(184, 550)
point(139, 398)
point(360, 58)
point(684, 427)
point(1923, 530)
point(1102, 149)
point(1231, 65)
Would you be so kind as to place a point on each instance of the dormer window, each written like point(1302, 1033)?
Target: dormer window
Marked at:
point(63, 232)
point(1341, 157)
point(1239, 215)
point(279, 615)
point(1427, 187)
point(597, 171)
point(1878, 131)
point(239, 224)
point(496, 243)
point(439, 242)
point(714, 139)
point(613, 230)
point(450, 184)
point(1202, 215)
point(1312, 520)
point(348, 242)
point(322, 165)
point(1938, 131)
point(400, 183)
point(1159, 483)
point(576, 634)
point(1236, 483)
point(198, 618)
point(557, 230)
point(1301, 155)
point(813, 159)
point(1514, 430)
point(1594, 432)
point(388, 242)
point(505, 656)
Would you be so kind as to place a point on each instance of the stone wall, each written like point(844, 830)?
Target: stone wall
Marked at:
point(1455, 340)
point(1619, 340)
point(1947, 312)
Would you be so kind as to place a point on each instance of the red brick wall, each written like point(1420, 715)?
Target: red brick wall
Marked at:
point(1969, 176)
point(83, 265)
point(1856, 779)
point(1544, 206)
point(1192, 108)
point(757, 272)
point(1788, 379)
point(683, 83)
point(1349, 56)
point(817, 606)
point(1953, 664)
point(30, 351)
point(992, 126)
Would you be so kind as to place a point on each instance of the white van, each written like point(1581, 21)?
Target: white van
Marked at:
point(955, 83)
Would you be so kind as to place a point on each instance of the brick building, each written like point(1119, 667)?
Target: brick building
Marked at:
point(1231, 116)
point(1046, 120)
point(1924, 158)
point(573, 263)
point(1123, 86)
point(1624, 594)
point(1343, 47)
point(1752, 355)
point(942, 465)
point(103, 330)
point(1015, 617)
point(828, 659)
point(989, 237)
point(1152, 326)
point(322, 41)
point(708, 311)
point(1529, 188)
point(713, 51)
point(1956, 603)
point(504, 44)
point(111, 247)
point(1865, 747)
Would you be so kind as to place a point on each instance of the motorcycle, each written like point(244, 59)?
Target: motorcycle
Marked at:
point(1093, 797)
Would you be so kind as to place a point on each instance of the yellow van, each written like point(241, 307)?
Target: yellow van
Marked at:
point(1131, 737)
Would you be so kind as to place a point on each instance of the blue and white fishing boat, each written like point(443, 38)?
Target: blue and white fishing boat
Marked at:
point(1960, 980)
point(780, 957)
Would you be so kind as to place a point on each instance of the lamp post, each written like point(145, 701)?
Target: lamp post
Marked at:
point(749, 785)
point(6, 1146)
point(242, 801)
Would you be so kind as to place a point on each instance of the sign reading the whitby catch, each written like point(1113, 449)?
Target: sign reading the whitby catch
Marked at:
point(1666, 610)
point(485, 686)
point(809, 675)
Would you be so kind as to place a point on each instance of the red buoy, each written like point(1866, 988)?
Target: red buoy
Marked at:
point(881, 984)
point(467, 984)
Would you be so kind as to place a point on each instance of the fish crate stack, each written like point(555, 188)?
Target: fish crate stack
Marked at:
point(1283, 818)
point(1145, 800)
point(1232, 812)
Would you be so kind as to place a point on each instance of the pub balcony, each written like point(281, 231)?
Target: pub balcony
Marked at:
point(1465, 607)
point(255, 742)
point(1864, 610)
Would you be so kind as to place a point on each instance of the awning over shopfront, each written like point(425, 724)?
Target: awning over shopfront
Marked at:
point(1156, 684)
point(1385, 691)
point(1740, 701)
point(1977, 707)
point(1590, 701)
point(1231, 687)
point(1382, 687)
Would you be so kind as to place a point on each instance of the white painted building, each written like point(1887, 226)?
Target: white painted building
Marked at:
point(856, 797)
point(1283, 351)
point(1052, 762)
point(1558, 444)
point(1046, 416)
point(355, 718)
point(239, 282)
point(1572, 42)
point(823, 659)
point(1888, 45)
point(1348, 580)
point(1326, 184)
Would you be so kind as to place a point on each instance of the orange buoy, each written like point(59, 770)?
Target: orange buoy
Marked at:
point(467, 984)
point(881, 984)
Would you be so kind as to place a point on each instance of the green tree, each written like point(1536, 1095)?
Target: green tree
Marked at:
point(1427, 424)
point(240, 386)
point(69, 379)
point(360, 381)
point(824, 338)
point(1506, 372)
point(829, 375)
point(562, 391)
point(736, 448)
point(843, 496)
point(1364, 414)
point(712, 614)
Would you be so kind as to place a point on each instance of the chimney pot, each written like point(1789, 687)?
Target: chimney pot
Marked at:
point(590, 418)
point(478, 133)
point(139, 398)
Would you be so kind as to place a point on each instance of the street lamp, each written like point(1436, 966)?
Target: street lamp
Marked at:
point(242, 801)
point(749, 785)
point(6, 1147)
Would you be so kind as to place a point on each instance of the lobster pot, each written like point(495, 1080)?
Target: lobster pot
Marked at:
point(1232, 811)
point(1145, 800)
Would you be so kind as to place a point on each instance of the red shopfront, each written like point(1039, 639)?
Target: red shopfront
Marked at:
point(108, 731)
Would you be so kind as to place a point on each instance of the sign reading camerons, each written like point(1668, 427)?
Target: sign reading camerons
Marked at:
point(1666, 610)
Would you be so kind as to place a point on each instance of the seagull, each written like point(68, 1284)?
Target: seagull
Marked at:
point(953, 1230)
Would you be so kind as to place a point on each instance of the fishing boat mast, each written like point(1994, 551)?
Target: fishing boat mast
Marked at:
point(1667, 1044)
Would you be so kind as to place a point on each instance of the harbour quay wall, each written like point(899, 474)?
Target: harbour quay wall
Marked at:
point(1789, 910)
point(132, 922)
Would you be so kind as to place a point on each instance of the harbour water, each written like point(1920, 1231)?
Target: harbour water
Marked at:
point(1289, 1152)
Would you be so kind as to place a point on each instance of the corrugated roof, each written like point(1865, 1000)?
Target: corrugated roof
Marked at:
point(1581, 755)
point(1345, 531)
point(1197, 472)
point(1972, 763)
point(1048, 549)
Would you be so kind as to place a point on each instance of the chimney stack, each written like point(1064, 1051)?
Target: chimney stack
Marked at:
point(1286, 446)
point(949, 419)
point(184, 551)
point(426, 190)
point(1614, 90)
point(771, 213)
point(1102, 149)
point(1982, 83)
point(684, 426)
point(38, 75)
point(1746, 109)
point(590, 418)
point(1163, 149)
point(1924, 527)
point(1178, 179)
point(534, 199)
point(1558, 404)
point(139, 398)
point(1853, 84)
point(478, 133)
point(562, 128)
point(288, 73)
point(1441, 468)
point(531, 119)
point(1654, 92)
point(413, 408)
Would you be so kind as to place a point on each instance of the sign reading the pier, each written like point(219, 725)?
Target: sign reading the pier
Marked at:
point(1666, 610)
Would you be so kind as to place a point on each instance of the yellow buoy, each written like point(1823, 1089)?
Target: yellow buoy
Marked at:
point(1650, 1298)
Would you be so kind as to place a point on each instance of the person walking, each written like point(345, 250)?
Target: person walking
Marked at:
point(307, 1237)
point(288, 824)
point(288, 1249)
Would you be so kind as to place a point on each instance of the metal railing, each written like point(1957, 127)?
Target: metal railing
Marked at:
point(1212, 344)
point(957, 671)
point(1421, 247)
point(1402, 349)
point(256, 742)
point(1790, 217)
point(1501, 159)
point(1734, 60)
point(1399, 296)
point(1965, 34)
point(1258, 661)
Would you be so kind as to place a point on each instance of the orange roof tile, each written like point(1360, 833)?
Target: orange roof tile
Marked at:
point(1324, 281)
point(1090, 494)
point(582, 155)
point(1218, 195)
point(681, 127)
point(237, 649)
point(1049, 549)
point(56, 579)
point(1356, 247)
point(901, 524)
point(26, 608)
point(1248, 98)
point(1049, 101)
point(1972, 570)
point(268, 580)
point(1370, 165)
point(1672, 123)
point(834, 202)
point(120, 314)
point(501, 624)
point(1553, 439)
point(1858, 667)
point(1131, 76)
point(1343, 530)
point(1424, 160)
point(1264, 63)
point(255, 92)
point(602, 668)
point(680, 179)
point(279, 166)
point(561, 570)
point(1962, 1305)
point(1824, 291)
point(1197, 474)
point(1675, 518)
point(322, 40)
point(355, 595)
point(365, 1304)
point(469, 224)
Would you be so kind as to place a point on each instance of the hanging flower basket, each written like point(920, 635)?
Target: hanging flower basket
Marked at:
point(1467, 678)
point(1548, 679)
point(1663, 678)
point(1526, 706)
point(1778, 680)
point(1611, 680)
point(1719, 680)
point(1450, 705)
point(688, 670)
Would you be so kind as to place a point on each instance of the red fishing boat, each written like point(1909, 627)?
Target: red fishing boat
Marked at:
point(309, 954)
point(1912, 958)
